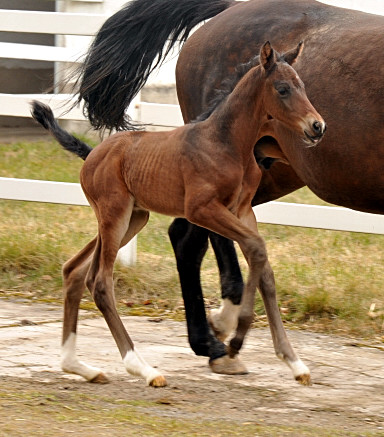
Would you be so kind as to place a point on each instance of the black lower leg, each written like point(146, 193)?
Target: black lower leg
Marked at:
point(230, 275)
point(190, 244)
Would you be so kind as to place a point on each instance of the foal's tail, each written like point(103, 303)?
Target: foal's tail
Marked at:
point(128, 47)
point(43, 114)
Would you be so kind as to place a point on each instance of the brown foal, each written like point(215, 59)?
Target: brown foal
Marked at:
point(204, 171)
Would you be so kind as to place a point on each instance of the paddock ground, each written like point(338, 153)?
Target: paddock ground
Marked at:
point(346, 397)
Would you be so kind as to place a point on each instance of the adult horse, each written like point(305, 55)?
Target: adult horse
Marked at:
point(343, 80)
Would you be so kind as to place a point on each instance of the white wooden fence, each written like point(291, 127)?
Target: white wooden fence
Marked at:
point(18, 105)
point(163, 115)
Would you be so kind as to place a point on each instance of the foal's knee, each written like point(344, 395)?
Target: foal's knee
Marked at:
point(257, 253)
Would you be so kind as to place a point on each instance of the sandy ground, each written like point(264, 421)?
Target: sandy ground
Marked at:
point(348, 381)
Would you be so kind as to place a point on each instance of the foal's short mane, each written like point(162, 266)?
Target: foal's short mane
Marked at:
point(229, 84)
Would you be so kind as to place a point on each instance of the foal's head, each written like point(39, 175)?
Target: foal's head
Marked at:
point(285, 97)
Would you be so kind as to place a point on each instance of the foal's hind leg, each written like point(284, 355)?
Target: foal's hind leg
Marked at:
point(117, 225)
point(74, 273)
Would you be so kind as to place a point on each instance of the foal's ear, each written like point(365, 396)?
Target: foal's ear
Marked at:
point(267, 56)
point(291, 56)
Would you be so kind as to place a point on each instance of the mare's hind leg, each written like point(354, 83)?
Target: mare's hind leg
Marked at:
point(190, 244)
point(224, 319)
point(117, 225)
point(74, 273)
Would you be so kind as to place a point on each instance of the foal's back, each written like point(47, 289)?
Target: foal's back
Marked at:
point(146, 164)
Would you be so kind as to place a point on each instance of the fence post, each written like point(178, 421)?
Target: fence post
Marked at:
point(127, 255)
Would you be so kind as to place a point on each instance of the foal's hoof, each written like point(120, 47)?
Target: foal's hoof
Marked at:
point(304, 379)
point(100, 379)
point(228, 366)
point(159, 381)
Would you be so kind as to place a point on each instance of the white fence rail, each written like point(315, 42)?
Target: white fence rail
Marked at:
point(278, 213)
point(162, 115)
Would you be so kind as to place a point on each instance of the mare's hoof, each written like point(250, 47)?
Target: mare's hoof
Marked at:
point(228, 366)
point(100, 379)
point(159, 381)
point(304, 379)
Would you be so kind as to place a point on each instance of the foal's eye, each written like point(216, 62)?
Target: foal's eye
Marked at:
point(283, 91)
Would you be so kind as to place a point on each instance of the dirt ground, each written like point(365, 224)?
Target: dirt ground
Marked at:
point(346, 398)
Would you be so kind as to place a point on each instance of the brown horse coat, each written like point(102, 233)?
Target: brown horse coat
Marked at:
point(206, 172)
point(342, 69)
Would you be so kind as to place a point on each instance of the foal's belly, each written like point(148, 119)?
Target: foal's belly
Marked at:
point(159, 190)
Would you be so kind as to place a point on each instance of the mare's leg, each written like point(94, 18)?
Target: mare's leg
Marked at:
point(117, 225)
point(190, 244)
point(74, 273)
point(224, 319)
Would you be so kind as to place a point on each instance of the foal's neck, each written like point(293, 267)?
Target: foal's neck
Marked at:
point(239, 119)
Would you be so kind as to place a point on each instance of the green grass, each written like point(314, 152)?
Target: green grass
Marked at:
point(326, 280)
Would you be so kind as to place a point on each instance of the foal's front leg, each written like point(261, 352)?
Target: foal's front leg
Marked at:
point(266, 284)
point(244, 231)
point(282, 345)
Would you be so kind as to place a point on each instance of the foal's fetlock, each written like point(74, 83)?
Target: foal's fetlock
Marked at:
point(234, 347)
point(300, 371)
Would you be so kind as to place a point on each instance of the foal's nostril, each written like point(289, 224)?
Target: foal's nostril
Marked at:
point(317, 127)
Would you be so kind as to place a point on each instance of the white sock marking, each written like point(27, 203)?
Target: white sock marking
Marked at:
point(71, 364)
point(298, 368)
point(136, 365)
point(225, 318)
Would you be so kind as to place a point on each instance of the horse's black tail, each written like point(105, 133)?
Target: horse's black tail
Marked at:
point(128, 47)
point(44, 115)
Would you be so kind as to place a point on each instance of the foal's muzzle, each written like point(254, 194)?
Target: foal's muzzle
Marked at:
point(315, 133)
